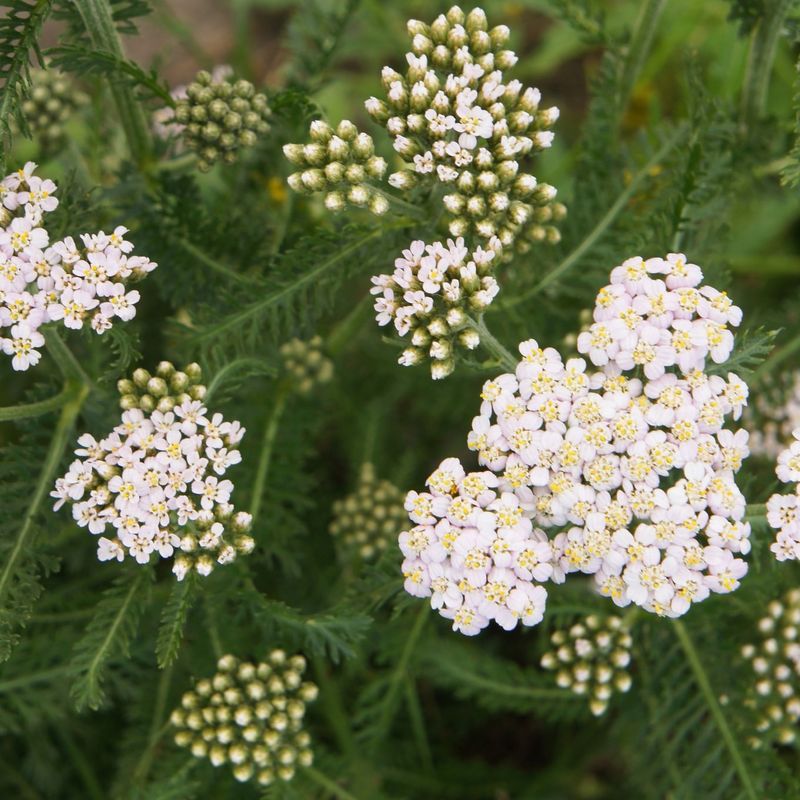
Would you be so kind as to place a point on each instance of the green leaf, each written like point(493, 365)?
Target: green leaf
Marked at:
point(173, 620)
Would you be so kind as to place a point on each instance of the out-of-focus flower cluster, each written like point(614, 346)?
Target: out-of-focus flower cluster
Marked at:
point(474, 551)
point(456, 120)
point(783, 510)
point(773, 416)
point(306, 364)
point(219, 117)
point(340, 163)
point(250, 716)
point(430, 296)
point(64, 281)
point(592, 659)
point(633, 477)
point(775, 660)
point(157, 480)
point(365, 522)
point(53, 99)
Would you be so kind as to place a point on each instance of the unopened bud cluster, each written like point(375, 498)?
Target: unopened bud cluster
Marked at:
point(306, 364)
point(431, 296)
point(156, 479)
point(340, 163)
point(455, 119)
point(162, 390)
point(220, 118)
point(53, 99)
point(366, 521)
point(249, 716)
point(776, 663)
point(592, 659)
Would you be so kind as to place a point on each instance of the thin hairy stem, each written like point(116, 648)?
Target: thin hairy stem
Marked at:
point(495, 347)
point(710, 697)
point(37, 409)
point(258, 365)
point(216, 266)
point(267, 445)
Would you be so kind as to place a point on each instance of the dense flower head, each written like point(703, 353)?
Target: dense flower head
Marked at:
point(306, 364)
point(783, 510)
point(630, 471)
point(250, 716)
point(775, 660)
point(161, 390)
point(368, 519)
point(53, 99)
point(474, 551)
point(75, 283)
point(455, 119)
point(774, 415)
point(155, 485)
point(591, 658)
point(656, 315)
point(431, 295)
point(220, 117)
point(341, 163)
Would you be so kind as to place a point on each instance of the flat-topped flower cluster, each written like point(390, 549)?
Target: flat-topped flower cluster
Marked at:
point(155, 485)
point(65, 281)
point(631, 475)
point(249, 715)
point(783, 510)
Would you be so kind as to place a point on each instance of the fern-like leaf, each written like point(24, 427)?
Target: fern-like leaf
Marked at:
point(173, 620)
point(108, 636)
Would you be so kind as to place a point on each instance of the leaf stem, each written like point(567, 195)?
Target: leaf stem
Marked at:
point(65, 360)
point(267, 445)
point(714, 707)
point(28, 410)
point(265, 368)
point(760, 59)
point(216, 266)
point(326, 783)
point(99, 23)
point(597, 232)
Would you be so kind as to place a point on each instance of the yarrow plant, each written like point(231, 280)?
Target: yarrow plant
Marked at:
point(633, 478)
point(591, 659)
point(783, 510)
point(775, 661)
point(773, 417)
point(250, 716)
point(305, 364)
point(66, 282)
point(157, 480)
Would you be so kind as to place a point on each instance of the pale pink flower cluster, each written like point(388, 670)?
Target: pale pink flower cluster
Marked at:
point(776, 413)
point(783, 510)
point(474, 551)
point(654, 316)
point(632, 476)
point(157, 483)
point(41, 283)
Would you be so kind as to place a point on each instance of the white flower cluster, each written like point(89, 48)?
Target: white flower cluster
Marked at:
point(42, 282)
point(474, 551)
point(783, 510)
point(366, 521)
point(157, 481)
point(338, 163)
point(430, 295)
point(455, 119)
point(776, 664)
point(775, 415)
point(306, 364)
point(251, 717)
point(592, 659)
point(633, 477)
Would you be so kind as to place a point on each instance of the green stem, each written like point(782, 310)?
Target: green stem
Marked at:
point(157, 727)
point(96, 16)
point(28, 679)
point(494, 346)
point(418, 727)
point(415, 212)
point(82, 765)
point(215, 265)
point(325, 782)
point(283, 223)
point(714, 707)
point(178, 163)
point(58, 444)
point(602, 226)
point(755, 512)
point(267, 445)
point(760, 59)
point(641, 39)
point(213, 630)
point(67, 364)
point(28, 410)
point(333, 709)
point(346, 329)
point(767, 366)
